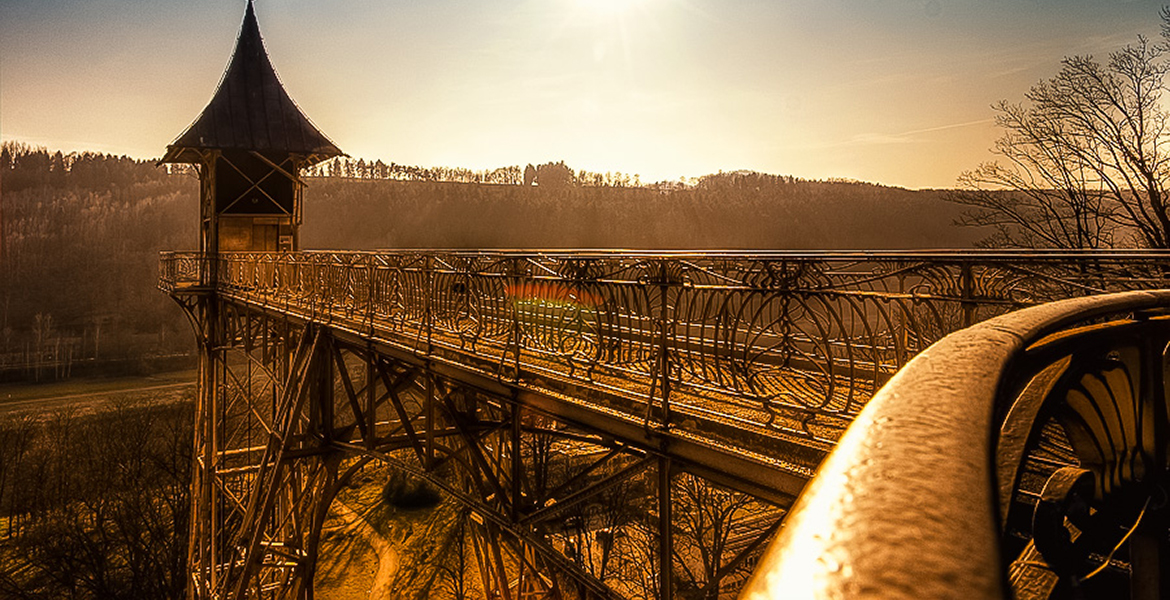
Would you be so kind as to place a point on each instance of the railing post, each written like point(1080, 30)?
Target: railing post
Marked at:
point(370, 291)
point(207, 269)
point(967, 293)
point(660, 371)
point(663, 348)
point(428, 302)
point(517, 332)
point(785, 309)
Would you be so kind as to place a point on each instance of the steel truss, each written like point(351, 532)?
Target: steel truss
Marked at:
point(288, 410)
point(695, 390)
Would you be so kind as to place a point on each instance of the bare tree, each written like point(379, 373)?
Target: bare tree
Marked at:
point(1084, 159)
point(707, 517)
point(16, 437)
point(101, 504)
point(454, 565)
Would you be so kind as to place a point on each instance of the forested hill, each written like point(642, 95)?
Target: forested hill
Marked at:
point(78, 261)
point(729, 210)
point(82, 232)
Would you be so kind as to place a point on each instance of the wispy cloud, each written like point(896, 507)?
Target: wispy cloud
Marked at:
point(876, 139)
point(946, 127)
point(906, 137)
point(871, 138)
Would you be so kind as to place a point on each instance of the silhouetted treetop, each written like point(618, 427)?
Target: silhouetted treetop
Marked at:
point(1083, 162)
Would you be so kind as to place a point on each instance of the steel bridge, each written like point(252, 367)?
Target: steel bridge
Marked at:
point(639, 425)
point(617, 424)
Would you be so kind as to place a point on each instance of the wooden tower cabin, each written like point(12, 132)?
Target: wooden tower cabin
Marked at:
point(249, 145)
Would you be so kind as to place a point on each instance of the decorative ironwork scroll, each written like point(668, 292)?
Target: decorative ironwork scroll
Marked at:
point(795, 342)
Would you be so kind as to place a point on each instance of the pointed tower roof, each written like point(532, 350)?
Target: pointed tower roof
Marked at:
point(251, 110)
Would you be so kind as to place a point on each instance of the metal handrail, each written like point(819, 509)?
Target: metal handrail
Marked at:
point(908, 504)
point(790, 340)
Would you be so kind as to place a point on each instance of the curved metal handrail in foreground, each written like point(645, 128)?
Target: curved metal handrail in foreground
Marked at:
point(910, 502)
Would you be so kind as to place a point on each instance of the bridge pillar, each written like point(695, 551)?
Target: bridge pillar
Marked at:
point(665, 530)
point(203, 546)
point(249, 146)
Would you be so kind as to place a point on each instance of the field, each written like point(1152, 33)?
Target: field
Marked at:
point(94, 394)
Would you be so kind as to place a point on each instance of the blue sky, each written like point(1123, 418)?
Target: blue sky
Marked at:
point(890, 91)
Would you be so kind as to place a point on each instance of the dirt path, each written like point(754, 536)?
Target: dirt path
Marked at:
point(355, 524)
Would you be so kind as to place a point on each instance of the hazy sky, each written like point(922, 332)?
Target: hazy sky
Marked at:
point(891, 91)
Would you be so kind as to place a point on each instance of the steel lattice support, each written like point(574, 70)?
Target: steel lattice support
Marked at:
point(556, 508)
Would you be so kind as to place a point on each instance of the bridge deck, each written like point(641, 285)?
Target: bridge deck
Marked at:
point(769, 453)
point(745, 365)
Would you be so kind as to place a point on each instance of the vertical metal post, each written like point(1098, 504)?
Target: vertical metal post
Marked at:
point(370, 271)
point(517, 332)
point(786, 327)
point(217, 412)
point(902, 333)
point(1153, 385)
point(967, 293)
point(430, 414)
point(428, 300)
point(665, 531)
point(517, 465)
point(3, 247)
point(265, 341)
point(1149, 548)
point(209, 398)
point(371, 412)
point(195, 546)
point(325, 391)
point(663, 348)
point(210, 241)
point(201, 549)
point(296, 219)
point(1149, 561)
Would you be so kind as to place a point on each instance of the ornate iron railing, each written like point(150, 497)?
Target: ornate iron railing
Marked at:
point(794, 341)
point(1024, 456)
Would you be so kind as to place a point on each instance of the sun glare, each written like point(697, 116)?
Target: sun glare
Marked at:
point(610, 7)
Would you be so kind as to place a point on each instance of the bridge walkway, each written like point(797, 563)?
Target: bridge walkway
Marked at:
point(718, 436)
point(747, 366)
